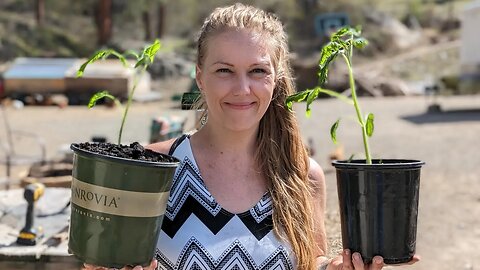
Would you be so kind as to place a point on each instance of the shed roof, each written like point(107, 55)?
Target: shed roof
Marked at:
point(60, 68)
point(39, 68)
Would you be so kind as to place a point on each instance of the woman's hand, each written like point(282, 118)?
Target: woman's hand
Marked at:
point(354, 261)
point(152, 266)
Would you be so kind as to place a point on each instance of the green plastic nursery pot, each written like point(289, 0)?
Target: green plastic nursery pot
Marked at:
point(117, 208)
point(379, 207)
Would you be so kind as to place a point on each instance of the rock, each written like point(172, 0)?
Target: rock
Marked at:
point(393, 87)
point(58, 100)
point(305, 70)
point(399, 35)
point(170, 65)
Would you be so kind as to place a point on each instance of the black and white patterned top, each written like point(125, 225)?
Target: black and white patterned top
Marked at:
point(197, 233)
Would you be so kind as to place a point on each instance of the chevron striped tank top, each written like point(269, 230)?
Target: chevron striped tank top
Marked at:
point(197, 233)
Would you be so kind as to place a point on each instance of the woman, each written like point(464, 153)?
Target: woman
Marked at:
point(246, 194)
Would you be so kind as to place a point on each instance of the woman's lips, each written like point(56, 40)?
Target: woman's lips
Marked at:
point(240, 105)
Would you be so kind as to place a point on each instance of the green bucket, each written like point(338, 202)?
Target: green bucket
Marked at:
point(117, 208)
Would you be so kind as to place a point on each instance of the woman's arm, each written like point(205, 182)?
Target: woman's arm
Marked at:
point(161, 147)
point(317, 177)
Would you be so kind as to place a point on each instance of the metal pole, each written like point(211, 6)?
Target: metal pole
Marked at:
point(10, 150)
point(8, 130)
point(7, 184)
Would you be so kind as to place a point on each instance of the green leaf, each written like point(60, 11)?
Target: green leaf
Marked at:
point(333, 131)
point(148, 55)
point(142, 61)
point(360, 43)
point(328, 54)
point(102, 54)
point(369, 124)
point(310, 98)
point(357, 30)
point(98, 96)
point(341, 32)
point(308, 112)
point(152, 50)
point(297, 97)
point(346, 33)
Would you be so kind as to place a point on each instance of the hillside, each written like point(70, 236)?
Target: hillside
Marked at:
point(69, 29)
point(392, 27)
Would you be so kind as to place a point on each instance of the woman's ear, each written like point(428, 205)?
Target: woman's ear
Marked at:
point(198, 79)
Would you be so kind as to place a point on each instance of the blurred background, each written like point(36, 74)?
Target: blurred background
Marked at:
point(417, 39)
point(420, 75)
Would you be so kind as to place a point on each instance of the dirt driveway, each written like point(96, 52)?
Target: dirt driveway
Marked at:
point(448, 223)
point(448, 232)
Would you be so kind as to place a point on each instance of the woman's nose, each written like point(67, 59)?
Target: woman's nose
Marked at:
point(242, 86)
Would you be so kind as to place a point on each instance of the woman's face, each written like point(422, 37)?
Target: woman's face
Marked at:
point(237, 79)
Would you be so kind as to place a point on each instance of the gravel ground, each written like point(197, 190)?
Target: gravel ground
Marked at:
point(448, 231)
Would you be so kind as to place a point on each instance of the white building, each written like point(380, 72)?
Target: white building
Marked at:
point(470, 48)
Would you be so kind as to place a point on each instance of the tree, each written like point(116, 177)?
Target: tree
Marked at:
point(147, 24)
point(161, 19)
point(40, 12)
point(103, 21)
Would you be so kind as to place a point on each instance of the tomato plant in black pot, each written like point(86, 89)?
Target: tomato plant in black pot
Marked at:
point(378, 198)
point(119, 192)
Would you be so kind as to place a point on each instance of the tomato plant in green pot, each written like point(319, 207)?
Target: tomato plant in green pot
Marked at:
point(119, 192)
point(378, 198)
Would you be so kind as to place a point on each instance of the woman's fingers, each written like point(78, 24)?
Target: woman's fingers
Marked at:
point(357, 261)
point(415, 259)
point(347, 260)
point(336, 262)
point(377, 263)
point(152, 266)
point(87, 266)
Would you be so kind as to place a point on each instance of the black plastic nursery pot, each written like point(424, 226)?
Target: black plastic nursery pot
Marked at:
point(117, 208)
point(379, 207)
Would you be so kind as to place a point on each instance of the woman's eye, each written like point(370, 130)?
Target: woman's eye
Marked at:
point(259, 70)
point(223, 70)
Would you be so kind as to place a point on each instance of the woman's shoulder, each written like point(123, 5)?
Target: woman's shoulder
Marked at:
point(315, 171)
point(168, 146)
point(316, 175)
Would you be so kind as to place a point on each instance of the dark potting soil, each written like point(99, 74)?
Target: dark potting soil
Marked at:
point(133, 151)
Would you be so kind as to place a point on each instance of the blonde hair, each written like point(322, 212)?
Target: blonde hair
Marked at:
point(281, 154)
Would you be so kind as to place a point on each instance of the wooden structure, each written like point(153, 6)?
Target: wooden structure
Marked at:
point(103, 75)
point(47, 76)
point(51, 174)
point(37, 75)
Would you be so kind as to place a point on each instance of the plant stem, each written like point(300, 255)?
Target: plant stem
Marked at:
point(136, 78)
point(357, 109)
